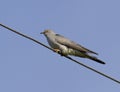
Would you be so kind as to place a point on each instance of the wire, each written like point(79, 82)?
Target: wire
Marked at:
point(113, 79)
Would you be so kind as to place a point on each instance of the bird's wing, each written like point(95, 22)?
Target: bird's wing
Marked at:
point(70, 44)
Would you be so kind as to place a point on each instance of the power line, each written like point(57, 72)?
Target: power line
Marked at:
point(30, 38)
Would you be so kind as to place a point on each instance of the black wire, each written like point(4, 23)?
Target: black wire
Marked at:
point(60, 54)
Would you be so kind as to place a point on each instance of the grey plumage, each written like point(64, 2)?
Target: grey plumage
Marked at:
point(68, 47)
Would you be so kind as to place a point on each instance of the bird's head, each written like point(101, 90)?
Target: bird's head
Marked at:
point(48, 32)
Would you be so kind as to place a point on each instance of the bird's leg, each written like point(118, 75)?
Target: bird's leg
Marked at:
point(58, 51)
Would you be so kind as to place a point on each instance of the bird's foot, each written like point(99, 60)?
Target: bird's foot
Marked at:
point(58, 51)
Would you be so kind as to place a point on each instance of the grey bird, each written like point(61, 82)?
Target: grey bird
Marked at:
point(67, 47)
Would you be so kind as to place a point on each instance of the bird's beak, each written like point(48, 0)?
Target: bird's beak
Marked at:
point(42, 33)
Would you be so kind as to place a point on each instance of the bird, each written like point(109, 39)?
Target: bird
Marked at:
point(67, 47)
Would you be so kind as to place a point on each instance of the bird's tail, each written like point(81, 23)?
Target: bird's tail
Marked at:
point(96, 59)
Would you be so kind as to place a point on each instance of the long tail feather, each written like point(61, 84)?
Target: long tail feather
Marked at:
point(96, 59)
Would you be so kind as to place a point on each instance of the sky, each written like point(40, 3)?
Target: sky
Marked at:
point(26, 66)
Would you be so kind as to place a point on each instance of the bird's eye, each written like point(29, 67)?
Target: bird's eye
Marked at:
point(46, 31)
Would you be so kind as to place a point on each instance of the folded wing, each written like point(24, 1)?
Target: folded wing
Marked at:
point(70, 44)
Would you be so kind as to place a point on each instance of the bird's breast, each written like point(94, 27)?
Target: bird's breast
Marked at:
point(52, 43)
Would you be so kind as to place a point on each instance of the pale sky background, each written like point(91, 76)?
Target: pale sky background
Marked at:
point(28, 67)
